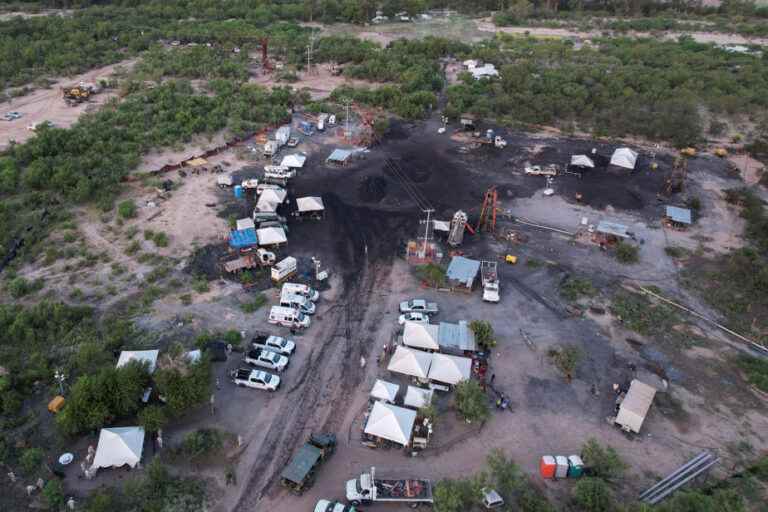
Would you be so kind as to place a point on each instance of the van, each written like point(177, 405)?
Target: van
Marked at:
point(290, 300)
point(301, 289)
point(288, 317)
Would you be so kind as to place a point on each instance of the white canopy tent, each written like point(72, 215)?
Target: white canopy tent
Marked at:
point(245, 224)
point(271, 236)
point(119, 446)
point(391, 422)
point(418, 397)
point(624, 157)
point(420, 335)
point(270, 199)
point(148, 356)
point(310, 204)
point(449, 369)
point(582, 161)
point(293, 161)
point(384, 390)
point(410, 362)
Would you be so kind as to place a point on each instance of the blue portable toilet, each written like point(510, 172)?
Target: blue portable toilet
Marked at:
point(239, 191)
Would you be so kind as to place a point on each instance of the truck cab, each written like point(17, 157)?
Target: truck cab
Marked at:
point(360, 490)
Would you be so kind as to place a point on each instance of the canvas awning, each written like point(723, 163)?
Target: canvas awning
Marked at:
point(391, 422)
point(144, 356)
point(384, 390)
point(119, 446)
point(241, 238)
point(410, 362)
point(612, 228)
point(271, 236)
point(245, 224)
point(582, 161)
point(421, 335)
point(449, 369)
point(310, 204)
point(418, 397)
point(624, 157)
point(293, 161)
point(679, 215)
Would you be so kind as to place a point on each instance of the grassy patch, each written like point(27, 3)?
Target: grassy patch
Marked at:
point(533, 263)
point(626, 253)
point(639, 314)
point(127, 209)
point(432, 274)
point(567, 359)
point(258, 301)
point(676, 252)
point(756, 371)
point(200, 284)
point(574, 288)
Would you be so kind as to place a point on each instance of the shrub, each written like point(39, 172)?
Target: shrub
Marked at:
point(471, 401)
point(31, 459)
point(484, 334)
point(186, 299)
point(161, 239)
point(627, 253)
point(202, 443)
point(457, 495)
point(200, 285)
point(153, 418)
point(149, 234)
point(575, 287)
point(566, 359)
point(185, 387)
point(756, 370)
point(604, 462)
point(258, 301)
point(19, 287)
point(432, 274)
point(127, 209)
point(676, 252)
point(53, 492)
point(593, 495)
point(133, 248)
point(233, 337)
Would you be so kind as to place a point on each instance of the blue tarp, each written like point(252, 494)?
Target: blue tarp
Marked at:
point(242, 238)
point(463, 270)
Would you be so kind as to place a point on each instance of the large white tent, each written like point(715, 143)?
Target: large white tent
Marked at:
point(418, 397)
point(310, 204)
point(410, 362)
point(421, 335)
point(294, 161)
point(391, 422)
point(384, 390)
point(624, 157)
point(119, 446)
point(449, 369)
point(270, 199)
point(143, 356)
point(582, 161)
point(245, 224)
point(271, 236)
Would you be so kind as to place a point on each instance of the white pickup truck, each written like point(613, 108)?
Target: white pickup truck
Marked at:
point(418, 306)
point(369, 489)
point(274, 343)
point(490, 277)
point(266, 359)
point(256, 379)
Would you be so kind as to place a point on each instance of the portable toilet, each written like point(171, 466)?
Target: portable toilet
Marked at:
point(239, 191)
point(547, 466)
point(575, 466)
point(561, 469)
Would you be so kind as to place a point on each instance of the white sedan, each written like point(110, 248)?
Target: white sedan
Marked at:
point(413, 317)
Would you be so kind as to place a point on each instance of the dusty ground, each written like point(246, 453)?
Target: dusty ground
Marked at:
point(320, 83)
point(48, 105)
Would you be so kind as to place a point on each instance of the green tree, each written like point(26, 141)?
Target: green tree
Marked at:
point(593, 495)
point(153, 418)
point(31, 459)
point(457, 495)
point(127, 209)
point(53, 492)
point(484, 334)
point(184, 388)
point(603, 461)
point(471, 401)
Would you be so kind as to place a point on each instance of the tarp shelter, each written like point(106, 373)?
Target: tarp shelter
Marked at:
point(582, 161)
point(245, 224)
point(143, 356)
point(310, 204)
point(634, 407)
point(441, 225)
point(384, 390)
point(449, 369)
point(391, 422)
point(679, 215)
point(339, 156)
point(456, 337)
point(624, 157)
point(119, 446)
point(418, 397)
point(462, 271)
point(270, 199)
point(410, 362)
point(271, 236)
point(421, 335)
point(241, 238)
point(613, 229)
point(293, 161)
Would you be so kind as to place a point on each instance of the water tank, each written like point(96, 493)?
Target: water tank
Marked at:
point(456, 235)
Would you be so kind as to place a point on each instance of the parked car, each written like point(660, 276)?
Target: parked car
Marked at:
point(418, 306)
point(413, 316)
point(12, 116)
point(267, 359)
point(274, 343)
point(333, 506)
point(256, 379)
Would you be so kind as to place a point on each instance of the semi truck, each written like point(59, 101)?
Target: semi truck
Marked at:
point(368, 489)
point(490, 278)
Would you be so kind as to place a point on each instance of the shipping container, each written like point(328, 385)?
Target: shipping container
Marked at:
point(561, 471)
point(575, 466)
point(547, 466)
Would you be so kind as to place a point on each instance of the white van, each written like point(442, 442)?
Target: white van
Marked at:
point(291, 300)
point(288, 317)
point(301, 289)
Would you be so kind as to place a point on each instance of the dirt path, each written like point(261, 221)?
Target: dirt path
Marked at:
point(47, 105)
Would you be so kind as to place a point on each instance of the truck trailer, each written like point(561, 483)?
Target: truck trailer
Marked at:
point(368, 489)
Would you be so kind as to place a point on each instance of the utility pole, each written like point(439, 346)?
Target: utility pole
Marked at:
point(348, 106)
point(426, 230)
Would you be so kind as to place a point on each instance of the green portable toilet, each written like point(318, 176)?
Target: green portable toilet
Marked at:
point(575, 466)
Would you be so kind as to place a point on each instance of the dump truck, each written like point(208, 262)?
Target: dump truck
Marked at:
point(490, 278)
point(418, 306)
point(369, 489)
point(259, 258)
point(299, 474)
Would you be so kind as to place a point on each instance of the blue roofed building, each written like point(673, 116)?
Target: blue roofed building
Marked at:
point(462, 273)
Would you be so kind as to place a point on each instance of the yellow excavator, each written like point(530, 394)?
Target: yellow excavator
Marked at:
point(77, 94)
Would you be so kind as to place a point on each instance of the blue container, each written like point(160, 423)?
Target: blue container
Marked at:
point(239, 191)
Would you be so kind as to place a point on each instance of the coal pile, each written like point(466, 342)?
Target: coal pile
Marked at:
point(205, 261)
point(372, 189)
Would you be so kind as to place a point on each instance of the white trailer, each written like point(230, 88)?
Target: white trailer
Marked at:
point(284, 269)
point(490, 277)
